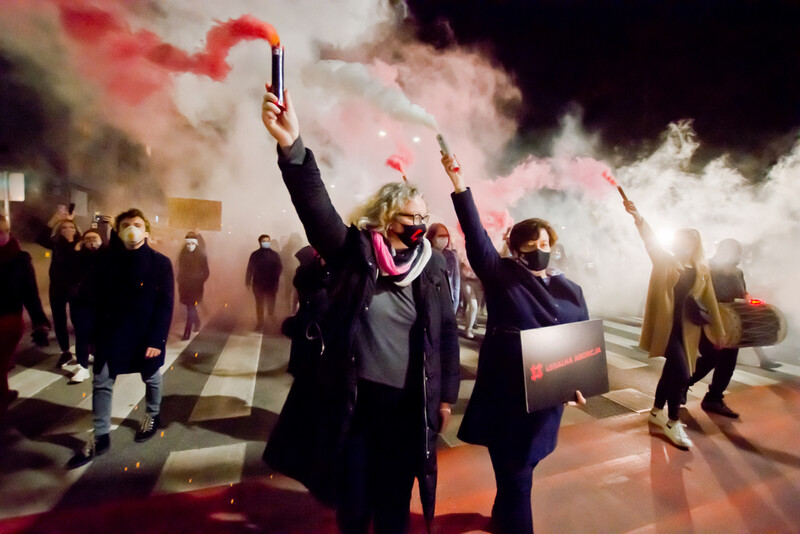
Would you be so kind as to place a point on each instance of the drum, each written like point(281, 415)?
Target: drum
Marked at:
point(751, 323)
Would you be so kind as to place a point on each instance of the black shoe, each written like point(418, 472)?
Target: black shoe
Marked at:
point(769, 365)
point(148, 429)
point(187, 333)
point(718, 407)
point(95, 447)
point(64, 359)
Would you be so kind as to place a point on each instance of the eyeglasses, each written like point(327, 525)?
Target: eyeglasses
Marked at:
point(416, 217)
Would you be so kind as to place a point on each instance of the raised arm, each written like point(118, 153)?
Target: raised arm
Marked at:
point(324, 227)
point(483, 257)
point(651, 242)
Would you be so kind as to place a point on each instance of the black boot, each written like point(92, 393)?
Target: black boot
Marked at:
point(97, 446)
point(187, 332)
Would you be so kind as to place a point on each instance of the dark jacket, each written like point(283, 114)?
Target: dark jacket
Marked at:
point(63, 264)
point(90, 267)
point(453, 275)
point(192, 275)
point(307, 441)
point(135, 311)
point(311, 281)
point(264, 270)
point(18, 284)
point(516, 300)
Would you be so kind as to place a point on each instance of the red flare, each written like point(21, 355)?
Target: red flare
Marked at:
point(610, 179)
point(756, 302)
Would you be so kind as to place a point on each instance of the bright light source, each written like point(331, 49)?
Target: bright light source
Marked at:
point(665, 237)
point(381, 134)
point(416, 139)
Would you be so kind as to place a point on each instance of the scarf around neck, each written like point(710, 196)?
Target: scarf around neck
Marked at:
point(402, 275)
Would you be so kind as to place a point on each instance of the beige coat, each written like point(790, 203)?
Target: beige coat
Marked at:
point(659, 309)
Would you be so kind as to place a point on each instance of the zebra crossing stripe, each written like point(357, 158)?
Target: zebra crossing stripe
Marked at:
point(623, 341)
point(31, 381)
point(635, 330)
point(622, 362)
point(752, 379)
point(208, 467)
point(229, 390)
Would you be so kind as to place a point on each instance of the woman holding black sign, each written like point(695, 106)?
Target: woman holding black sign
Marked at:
point(521, 293)
point(680, 301)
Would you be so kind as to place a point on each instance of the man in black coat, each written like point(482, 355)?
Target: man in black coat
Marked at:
point(263, 274)
point(134, 316)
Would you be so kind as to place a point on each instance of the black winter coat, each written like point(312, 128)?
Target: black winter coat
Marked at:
point(18, 284)
point(307, 440)
point(64, 262)
point(91, 266)
point(264, 270)
point(515, 300)
point(135, 311)
point(311, 281)
point(192, 275)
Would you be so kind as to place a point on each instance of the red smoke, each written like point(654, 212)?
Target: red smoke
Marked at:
point(133, 65)
point(401, 159)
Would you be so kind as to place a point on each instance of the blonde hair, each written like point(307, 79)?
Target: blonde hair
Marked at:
point(379, 211)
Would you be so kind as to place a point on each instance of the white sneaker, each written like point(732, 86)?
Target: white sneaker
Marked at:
point(676, 435)
point(469, 334)
point(91, 358)
point(658, 419)
point(80, 375)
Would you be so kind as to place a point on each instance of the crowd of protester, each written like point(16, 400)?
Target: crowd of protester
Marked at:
point(381, 299)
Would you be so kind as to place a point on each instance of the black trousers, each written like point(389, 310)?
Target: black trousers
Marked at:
point(83, 319)
point(674, 377)
point(58, 307)
point(261, 296)
point(511, 512)
point(722, 361)
point(192, 317)
point(381, 455)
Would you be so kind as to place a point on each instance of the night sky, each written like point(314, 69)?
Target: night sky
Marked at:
point(633, 66)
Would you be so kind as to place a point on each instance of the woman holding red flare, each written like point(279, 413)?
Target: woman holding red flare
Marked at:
point(367, 427)
point(521, 293)
point(680, 302)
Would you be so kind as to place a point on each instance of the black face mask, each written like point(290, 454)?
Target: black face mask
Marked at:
point(535, 260)
point(412, 234)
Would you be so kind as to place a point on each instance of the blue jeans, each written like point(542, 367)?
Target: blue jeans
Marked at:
point(102, 390)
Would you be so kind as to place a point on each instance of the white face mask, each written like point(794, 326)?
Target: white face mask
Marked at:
point(131, 236)
point(441, 242)
point(191, 244)
point(265, 244)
